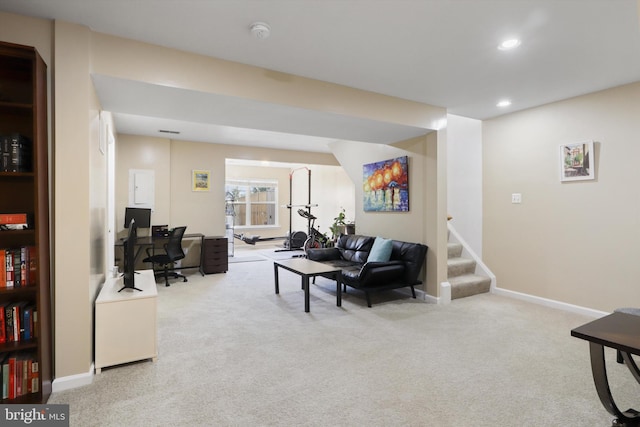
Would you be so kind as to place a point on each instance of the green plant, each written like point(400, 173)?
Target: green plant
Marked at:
point(338, 224)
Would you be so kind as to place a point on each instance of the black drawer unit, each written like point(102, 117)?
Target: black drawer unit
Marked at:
point(215, 256)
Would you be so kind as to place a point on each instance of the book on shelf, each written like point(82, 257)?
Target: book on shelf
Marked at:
point(32, 265)
point(34, 322)
point(17, 277)
point(19, 376)
point(16, 153)
point(18, 267)
point(13, 218)
point(9, 272)
point(3, 268)
point(18, 321)
point(12, 377)
point(5, 376)
point(14, 221)
point(5, 153)
point(5, 227)
point(27, 325)
point(8, 322)
point(3, 331)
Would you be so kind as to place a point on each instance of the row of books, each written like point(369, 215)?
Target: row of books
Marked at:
point(15, 153)
point(14, 221)
point(18, 267)
point(18, 322)
point(20, 375)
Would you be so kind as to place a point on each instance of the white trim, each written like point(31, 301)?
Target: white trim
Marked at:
point(551, 303)
point(420, 295)
point(72, 381)
point(445, 293)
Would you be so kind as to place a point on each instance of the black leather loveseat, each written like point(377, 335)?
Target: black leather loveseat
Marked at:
point(351, 253)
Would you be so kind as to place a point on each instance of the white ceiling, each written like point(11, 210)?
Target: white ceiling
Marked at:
point(439, 52)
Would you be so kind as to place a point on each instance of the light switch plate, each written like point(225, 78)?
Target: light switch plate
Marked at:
point(516, 198)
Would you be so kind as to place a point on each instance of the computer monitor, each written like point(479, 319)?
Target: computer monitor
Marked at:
point(129, 274)
point(140, 215)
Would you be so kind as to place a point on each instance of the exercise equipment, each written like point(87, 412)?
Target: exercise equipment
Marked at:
point(316, 239)
point(297, 240)
point(289, 242)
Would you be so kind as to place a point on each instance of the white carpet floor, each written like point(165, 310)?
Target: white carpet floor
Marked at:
point(232, 353)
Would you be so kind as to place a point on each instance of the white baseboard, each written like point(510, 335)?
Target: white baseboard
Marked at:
point(445, 298)
point(420, 295)
point(551, 303)
point(72, 381)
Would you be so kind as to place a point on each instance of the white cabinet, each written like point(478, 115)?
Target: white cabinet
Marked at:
point(126, 322)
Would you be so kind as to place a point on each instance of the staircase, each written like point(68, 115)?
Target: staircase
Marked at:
point(461, 274)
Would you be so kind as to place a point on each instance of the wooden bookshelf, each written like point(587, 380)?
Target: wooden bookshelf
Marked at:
point(23, 110)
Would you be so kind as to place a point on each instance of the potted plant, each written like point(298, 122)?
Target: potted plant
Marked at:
point(338, 226)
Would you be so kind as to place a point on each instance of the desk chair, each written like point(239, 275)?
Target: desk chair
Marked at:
point(173, 252)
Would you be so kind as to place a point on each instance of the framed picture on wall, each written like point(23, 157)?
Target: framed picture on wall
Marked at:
point(386, 185)
point(577, 161)
point(200, 180)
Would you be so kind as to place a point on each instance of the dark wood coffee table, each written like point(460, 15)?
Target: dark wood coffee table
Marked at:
point(620, 331)
point(306, 269)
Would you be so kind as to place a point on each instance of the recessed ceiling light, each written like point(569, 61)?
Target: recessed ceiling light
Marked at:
point(503, 103)
point(509, 44)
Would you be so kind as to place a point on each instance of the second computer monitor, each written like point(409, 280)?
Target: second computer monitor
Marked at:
point(141, 215)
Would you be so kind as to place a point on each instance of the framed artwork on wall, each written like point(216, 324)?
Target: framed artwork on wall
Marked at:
point(386, 185)
point(200, 180)
point(577, 161)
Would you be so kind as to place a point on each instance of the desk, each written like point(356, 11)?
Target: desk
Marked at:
point(143, 242)
point(307, 268)
point(618, 331)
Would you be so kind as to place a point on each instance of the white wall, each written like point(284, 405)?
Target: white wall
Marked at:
point(331, 189)
point(464, 178)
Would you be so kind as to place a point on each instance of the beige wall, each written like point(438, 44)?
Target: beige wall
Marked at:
point(147, 153)
point(74, 287)
point(426, 220)
point(575, 242)
point(29, 32)
point(203, 212)
point(133, 60)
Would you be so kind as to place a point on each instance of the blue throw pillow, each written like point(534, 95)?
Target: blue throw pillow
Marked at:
point(381, 250)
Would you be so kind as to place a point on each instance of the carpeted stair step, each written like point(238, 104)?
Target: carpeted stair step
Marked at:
point(459, 266)
point(468, 284)
point(454, 250)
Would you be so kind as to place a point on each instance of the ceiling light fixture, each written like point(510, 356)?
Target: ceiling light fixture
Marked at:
point(509, 44)
point(503, 103)
point(260, 30)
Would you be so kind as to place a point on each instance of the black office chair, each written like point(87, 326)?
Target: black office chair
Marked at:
point(173, 252)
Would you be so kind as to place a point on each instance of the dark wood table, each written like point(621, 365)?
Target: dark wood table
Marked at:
point(306, 269)
point(620, 331)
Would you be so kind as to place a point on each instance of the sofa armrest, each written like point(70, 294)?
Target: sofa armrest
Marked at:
point(380, 273)
point(323, 254)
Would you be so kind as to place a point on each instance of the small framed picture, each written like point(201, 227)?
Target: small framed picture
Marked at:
point(577, 161)
point(200, 180)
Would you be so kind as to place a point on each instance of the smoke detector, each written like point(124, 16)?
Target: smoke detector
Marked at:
point(260, 30)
